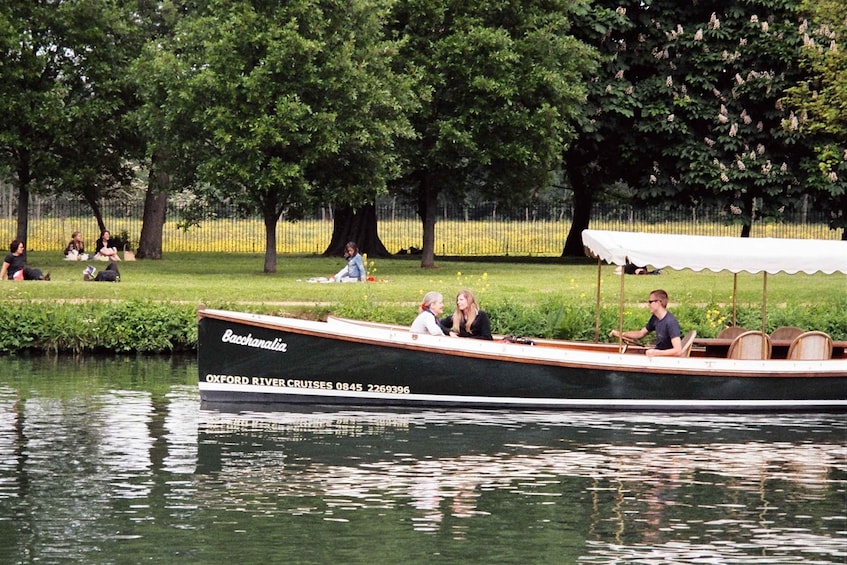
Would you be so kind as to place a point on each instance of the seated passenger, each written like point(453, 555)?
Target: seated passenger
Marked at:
point(665, 324)
point(427, 320)
point(468, 320)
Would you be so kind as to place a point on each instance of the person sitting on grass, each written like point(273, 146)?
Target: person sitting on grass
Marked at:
point(15, 265)
point(75, 251)
point(354, 271)
point(105, 252)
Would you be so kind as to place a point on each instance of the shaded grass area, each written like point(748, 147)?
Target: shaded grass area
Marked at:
point(543, 297)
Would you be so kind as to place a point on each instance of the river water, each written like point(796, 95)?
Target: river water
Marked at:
point(116, 461)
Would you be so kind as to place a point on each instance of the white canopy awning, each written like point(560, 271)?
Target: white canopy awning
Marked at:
point(734, 254)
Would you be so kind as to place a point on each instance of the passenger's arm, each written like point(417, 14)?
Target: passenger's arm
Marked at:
point(674, 351)
point(631, 334)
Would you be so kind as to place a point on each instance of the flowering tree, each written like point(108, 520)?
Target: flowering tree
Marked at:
point(818, 105)
point(688, 107)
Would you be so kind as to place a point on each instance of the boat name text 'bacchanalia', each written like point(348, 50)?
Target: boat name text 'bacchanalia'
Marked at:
point(249, 341)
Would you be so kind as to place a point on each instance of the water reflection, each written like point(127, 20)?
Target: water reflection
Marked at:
point(110, 460)
point(649, 487)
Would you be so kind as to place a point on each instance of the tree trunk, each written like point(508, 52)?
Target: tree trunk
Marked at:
point(428, 210)
point(97, 211)
point(155, 209)
point(359, 225)
point(24, 178)
point(271, 220)
point(583, 197)
point(23, 213)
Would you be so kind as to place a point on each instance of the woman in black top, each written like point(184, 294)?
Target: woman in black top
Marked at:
point(14, 265)
point(468, 320)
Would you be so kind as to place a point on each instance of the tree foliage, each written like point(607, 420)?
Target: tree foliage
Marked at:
point(287, 102)
point(497, 83)
point(64, 98)
point(818, 105)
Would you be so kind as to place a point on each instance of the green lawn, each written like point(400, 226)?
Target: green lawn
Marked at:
point(234, 279)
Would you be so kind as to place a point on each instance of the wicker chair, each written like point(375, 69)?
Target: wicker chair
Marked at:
point(687, 342)
point(811, 345)
point(787, 333)
point(750, 345)
point(731, 332)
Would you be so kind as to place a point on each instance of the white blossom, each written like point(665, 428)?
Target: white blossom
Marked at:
point(709, 141)
point(698, 36)
point(619, 74)
point(670, 117)
point(669, 82)
point(714, 22)
point(754, 18)
point(652, 179)
point(734, 209)
point(629, 90)
point(733, 130)
point(722, 119)
point(832, 176)
point(740, 164)
point(724, 178)
point(621, 10)
point(783, 168)
point(765, 27)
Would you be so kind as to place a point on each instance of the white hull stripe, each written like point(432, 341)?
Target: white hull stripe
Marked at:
point(282, 392)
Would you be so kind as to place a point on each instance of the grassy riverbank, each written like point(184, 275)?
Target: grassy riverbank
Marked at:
point(152, 308)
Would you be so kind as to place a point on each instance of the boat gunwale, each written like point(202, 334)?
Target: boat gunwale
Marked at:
point(528, 354)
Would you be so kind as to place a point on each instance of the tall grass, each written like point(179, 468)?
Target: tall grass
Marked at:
point(541, 297)
point(453, 237)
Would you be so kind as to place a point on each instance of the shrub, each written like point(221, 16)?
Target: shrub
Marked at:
point(124, 327)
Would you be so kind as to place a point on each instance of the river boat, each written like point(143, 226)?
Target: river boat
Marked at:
point(252, 358)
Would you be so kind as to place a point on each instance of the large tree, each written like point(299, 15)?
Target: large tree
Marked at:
point(818, 105)
point(687, 109)
point(64, 98)
point(710, 117)
point(594, 160)
point(498, 83)
point(284, 96)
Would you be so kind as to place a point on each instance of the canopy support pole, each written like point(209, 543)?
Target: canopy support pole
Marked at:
point(620, 314)
point(597, 306)
point(734, 299)
point(764, 311)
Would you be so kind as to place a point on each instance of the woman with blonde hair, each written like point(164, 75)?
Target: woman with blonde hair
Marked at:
point(468, 320)
point(432, 306)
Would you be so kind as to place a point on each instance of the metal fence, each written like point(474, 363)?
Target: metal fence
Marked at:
point(481, 229)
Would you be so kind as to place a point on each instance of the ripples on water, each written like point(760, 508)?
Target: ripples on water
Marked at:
point(136, 470)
